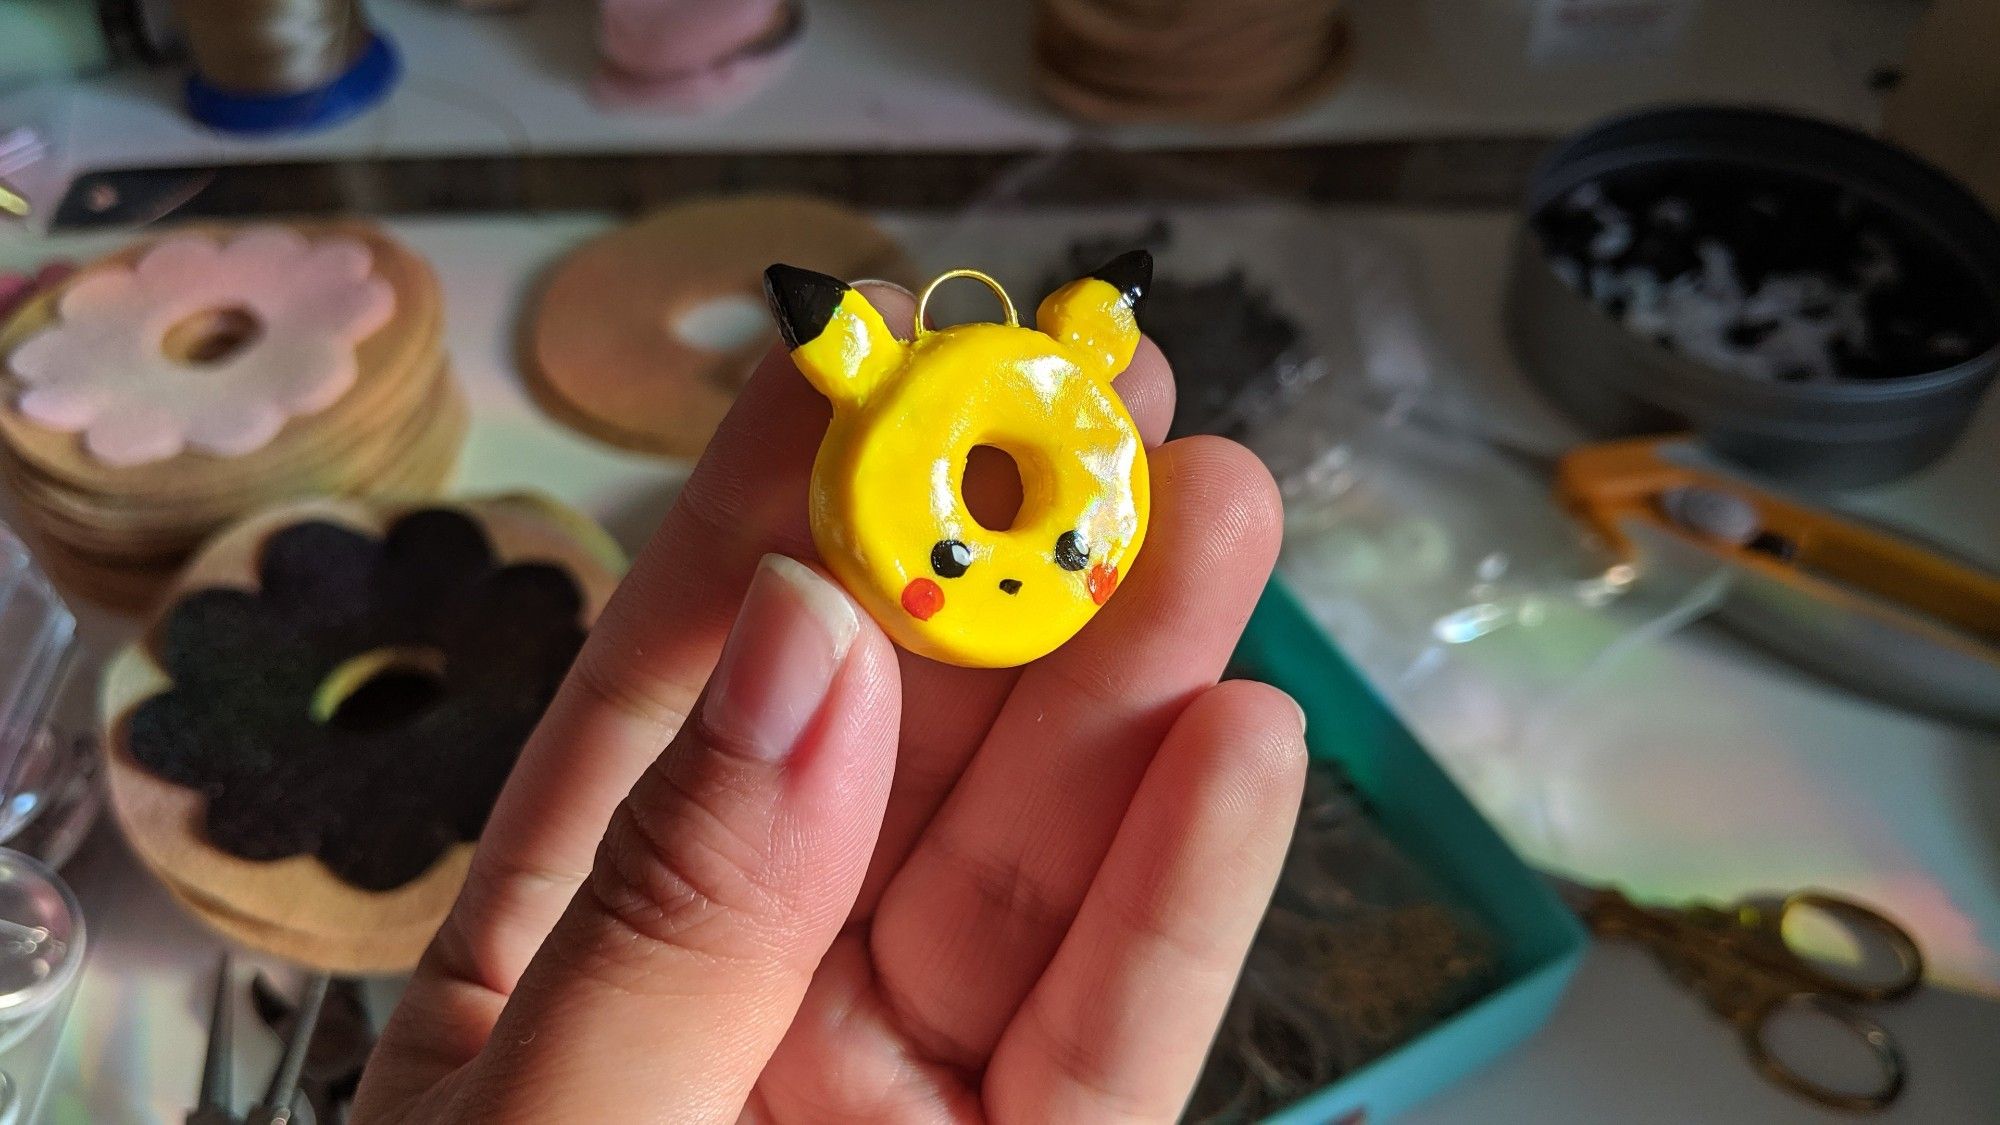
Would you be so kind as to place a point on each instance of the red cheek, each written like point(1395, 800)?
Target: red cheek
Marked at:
point(1102, 580)
point(921, 598)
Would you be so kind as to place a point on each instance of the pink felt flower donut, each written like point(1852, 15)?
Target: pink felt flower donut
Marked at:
point(202, 344)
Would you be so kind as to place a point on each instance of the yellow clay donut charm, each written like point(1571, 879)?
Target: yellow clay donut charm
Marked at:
point(887, 512)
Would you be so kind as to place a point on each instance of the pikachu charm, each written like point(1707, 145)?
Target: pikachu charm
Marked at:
point(888, 514)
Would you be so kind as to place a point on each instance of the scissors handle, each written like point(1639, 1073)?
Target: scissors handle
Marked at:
point(1862, 921)
point(1888, 1057)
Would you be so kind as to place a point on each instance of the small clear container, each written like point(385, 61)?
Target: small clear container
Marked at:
point(41, 959)
point(48, 766)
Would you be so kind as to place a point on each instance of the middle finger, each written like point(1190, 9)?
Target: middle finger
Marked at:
point(947, 711)
point(970, 923)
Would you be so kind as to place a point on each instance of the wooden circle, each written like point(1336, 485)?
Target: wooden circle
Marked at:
point(605, 355)
point(296, 908)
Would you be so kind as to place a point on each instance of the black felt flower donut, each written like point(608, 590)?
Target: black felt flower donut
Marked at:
point(366, 702)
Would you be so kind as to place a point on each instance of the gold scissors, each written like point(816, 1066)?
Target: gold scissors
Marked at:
point(1738, 959)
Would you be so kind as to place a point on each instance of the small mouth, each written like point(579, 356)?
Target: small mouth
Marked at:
point(1010, 585)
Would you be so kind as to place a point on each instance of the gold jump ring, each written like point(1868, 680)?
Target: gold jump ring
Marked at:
point(1006, 303)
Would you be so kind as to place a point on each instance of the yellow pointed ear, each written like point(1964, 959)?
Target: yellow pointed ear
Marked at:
point(838, 340)
point(1097, 316)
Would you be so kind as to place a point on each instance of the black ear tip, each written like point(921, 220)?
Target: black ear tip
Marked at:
point(803, 301)
point(1131, 273)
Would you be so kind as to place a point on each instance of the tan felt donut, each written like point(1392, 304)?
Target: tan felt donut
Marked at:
point(296, 908)
point(343, 467)
point(604, 353)
point(132, 583)
point(385, 360)
point(381, 953)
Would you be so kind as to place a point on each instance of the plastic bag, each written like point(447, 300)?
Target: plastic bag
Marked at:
point(1436, 558)
point(1255, 302)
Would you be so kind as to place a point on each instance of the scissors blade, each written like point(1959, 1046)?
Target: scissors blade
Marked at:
point(217, 1080)
point(278, 1105)
point(339, 1047)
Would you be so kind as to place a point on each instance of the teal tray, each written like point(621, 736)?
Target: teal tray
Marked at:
point(1430, 819)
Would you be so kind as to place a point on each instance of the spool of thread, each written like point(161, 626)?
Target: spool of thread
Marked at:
point(1128, 61)
point(282, 66)
point(692, 55)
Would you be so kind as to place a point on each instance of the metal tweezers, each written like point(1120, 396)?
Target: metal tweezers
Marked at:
point(282, 1099)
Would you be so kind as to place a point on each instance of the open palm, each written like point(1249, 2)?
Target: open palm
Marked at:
point(1018, 894)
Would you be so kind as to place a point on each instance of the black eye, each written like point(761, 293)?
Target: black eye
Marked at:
point(1071, 554)
point(950, 558)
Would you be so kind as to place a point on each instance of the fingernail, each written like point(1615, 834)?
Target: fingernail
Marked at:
point(868, 283)
point(788, 642)
point(1296, 706)
point(882, 283)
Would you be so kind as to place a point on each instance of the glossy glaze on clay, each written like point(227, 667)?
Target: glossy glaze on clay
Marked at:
point(887, 512)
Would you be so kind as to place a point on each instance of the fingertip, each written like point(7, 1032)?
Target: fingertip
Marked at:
point(1255, 734)
point(1271, 707)
point(1222, 488)
point(897, 305)
point(1147, 388)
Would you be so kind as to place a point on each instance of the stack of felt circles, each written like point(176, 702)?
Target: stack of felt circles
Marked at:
point(307, 740)
point(168, 389)
point(693, 55)
point(1126, 61)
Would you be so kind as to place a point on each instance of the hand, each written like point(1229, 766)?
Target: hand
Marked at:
point(857, 885)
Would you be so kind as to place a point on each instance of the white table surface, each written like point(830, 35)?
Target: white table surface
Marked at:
point(1717, 771)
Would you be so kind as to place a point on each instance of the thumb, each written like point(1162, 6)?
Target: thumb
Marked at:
point(721, 881)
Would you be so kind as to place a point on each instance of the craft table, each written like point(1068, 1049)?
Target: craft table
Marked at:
point(1716, 771)
point(1698, 767)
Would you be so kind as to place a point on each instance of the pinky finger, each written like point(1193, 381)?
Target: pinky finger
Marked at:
point(1118, 1026)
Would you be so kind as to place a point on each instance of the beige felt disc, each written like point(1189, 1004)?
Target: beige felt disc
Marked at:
point(352, 455)
point(91, 521)
point(131, 572)
point(296, 908)
point(385, 361)
point(130, 576)
point(335, 448)
point(609, 349)
point(381, 951)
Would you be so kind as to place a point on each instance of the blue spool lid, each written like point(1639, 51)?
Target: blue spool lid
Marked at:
point(361, 86)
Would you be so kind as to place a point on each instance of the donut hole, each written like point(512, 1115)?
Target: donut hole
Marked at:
point(380, 689)
point(729, 323)
point(992, 487)
point(211, 335)
point(732, 327)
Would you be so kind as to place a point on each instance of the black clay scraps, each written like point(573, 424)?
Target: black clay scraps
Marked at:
point(1232, 348)
point(366, 702)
